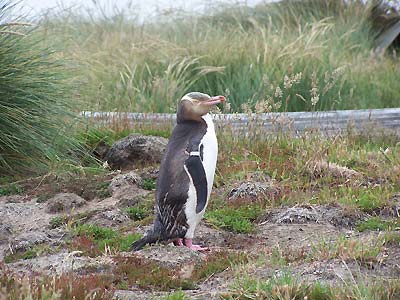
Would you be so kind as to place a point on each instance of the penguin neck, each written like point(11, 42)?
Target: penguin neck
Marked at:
point(209, 121)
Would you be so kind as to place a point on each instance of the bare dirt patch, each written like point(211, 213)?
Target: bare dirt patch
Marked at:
point(296, 239)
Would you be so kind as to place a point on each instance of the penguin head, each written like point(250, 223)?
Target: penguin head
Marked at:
point(195, 105)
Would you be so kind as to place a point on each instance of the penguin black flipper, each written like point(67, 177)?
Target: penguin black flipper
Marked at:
point(197, 173)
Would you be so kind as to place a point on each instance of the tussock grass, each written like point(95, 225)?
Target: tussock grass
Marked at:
point(34, 115)
point(288, 56)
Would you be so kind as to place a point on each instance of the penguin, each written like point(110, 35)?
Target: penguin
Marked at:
point(186, 174)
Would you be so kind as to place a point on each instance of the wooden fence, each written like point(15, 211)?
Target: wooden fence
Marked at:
point(372, 121)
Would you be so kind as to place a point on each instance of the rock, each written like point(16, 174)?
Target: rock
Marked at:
point(341, 217)
point(5, 232)
point(128, 179)
point(138, 295)
point(248, 190)
point(322, 168)
point(126, 188)
point(64, 202)
point(171, 257)
point(130, 201)
point(101, 150)
point(28, 239)
point(129, 193)
point(392, 210)
point(150, 173)
point(13, 199)
point(330, 213)
point(109, 218)
point(135, 150)
point(252, 191)
point(298, 215)
point(63, 263)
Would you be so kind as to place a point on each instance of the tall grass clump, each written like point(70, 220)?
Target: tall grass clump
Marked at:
point(34, 113)
point(299, 55)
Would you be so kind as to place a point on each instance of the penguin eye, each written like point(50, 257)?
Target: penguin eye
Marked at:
point(196, 102)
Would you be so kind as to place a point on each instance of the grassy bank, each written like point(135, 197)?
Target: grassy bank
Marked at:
point(284, 56)
point(313, 55)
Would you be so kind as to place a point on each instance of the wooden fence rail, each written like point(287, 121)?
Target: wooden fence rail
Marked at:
point(385, 120)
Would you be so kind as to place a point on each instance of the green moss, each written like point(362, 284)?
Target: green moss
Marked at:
point(368, 199)
point(219, 262)
point(237, 220)
point(28, 254)
point(149, 184)
point(138, 212)
point(59, 221)
point(102, 190)
point(177, 295)
point(43, 198)
point(94, 239)
point(34, 251)
point(377, 223)
point(392, 238)
point(11, 189)
point(149, 275)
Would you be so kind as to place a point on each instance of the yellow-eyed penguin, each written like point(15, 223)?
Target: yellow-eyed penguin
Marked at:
point(186, 174)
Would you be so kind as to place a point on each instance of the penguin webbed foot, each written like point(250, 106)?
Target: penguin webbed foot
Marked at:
point(178, 242)
point(189, 244)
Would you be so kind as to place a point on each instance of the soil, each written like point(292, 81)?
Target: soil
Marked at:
point(25, 222)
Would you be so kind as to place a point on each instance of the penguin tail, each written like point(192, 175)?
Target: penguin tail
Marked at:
point(149, 238)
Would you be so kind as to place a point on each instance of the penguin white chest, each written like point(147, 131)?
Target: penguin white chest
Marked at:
point(209, 149)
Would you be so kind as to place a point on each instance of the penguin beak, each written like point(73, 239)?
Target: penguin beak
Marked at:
point(214, 100)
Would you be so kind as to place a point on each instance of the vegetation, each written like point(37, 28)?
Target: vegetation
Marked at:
point(278, 56)
point(288, 56)
point(308, 55)
point(237, 220)
point(94, 240)
point(377, 223)
point(138, 212)
point(286, 286)
point(10, 189)
point(34, 100)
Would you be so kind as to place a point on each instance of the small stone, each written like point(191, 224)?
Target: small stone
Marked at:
point(171, 257)
point(28, 239)
point(135, 150)
point(13, 199)
point(5, 232)
point(130, 201)
point(109, 218)
point(252, 191)
point(321, 168)
point(298, 215)
point(64, 202)
point(127, 179)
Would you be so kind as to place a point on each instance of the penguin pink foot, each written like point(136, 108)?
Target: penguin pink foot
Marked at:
point(189, 243)
point(178, 242)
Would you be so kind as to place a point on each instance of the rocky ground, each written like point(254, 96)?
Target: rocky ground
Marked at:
point(312, 242)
